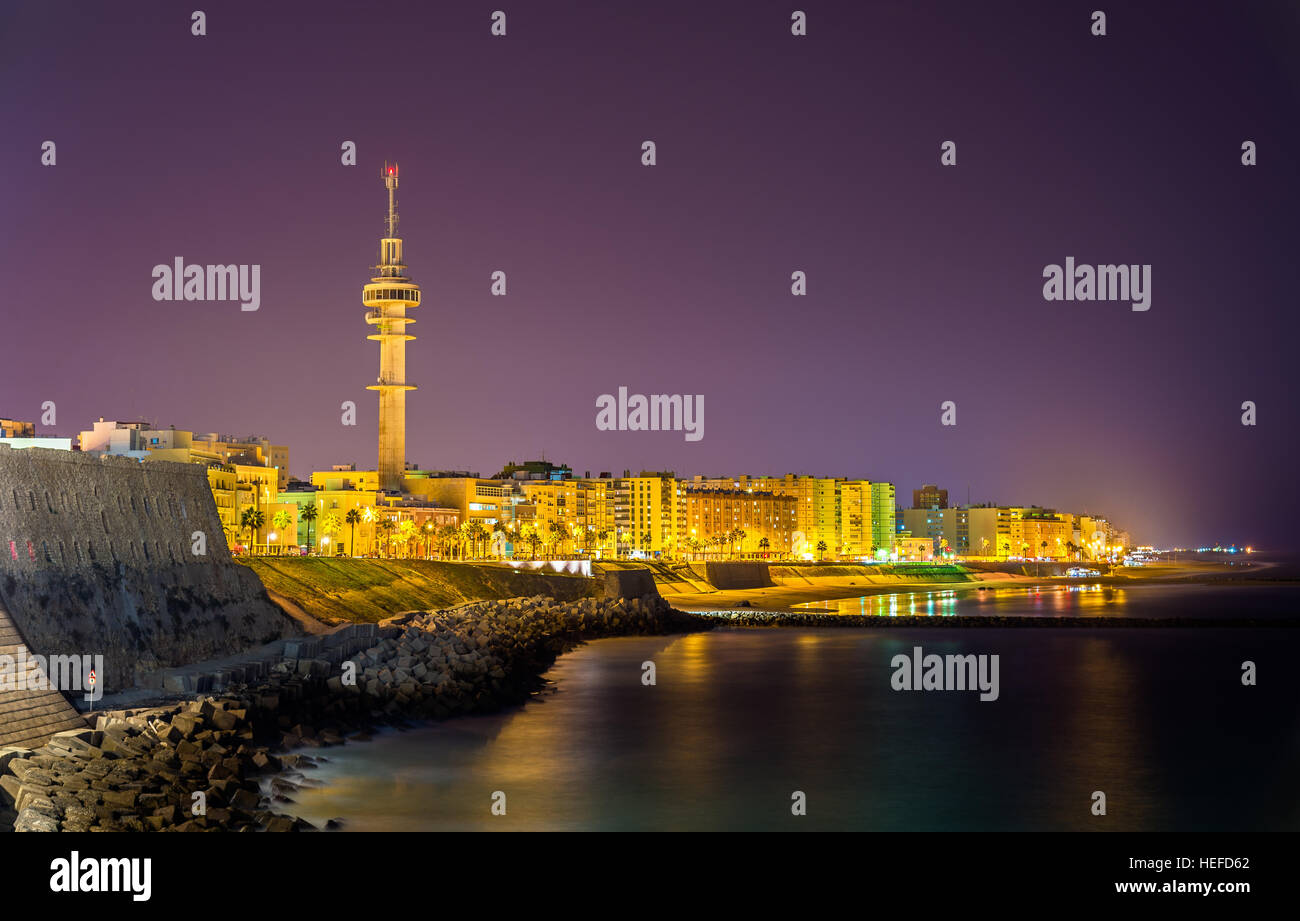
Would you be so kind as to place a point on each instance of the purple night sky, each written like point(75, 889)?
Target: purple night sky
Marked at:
point(775, 153)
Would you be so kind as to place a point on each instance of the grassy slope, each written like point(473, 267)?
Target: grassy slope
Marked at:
point(338, 590)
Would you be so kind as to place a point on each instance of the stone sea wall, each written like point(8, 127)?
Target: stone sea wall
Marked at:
point(97, 558)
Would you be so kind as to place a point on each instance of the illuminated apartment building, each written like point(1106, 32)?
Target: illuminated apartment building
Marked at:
point(1094, 535)
point(580, 506)
point(139, 440)
point(236, 487)
point(252, 450)
point(995, 531)
point(882, 515)
point(929, 496)
point(13, 428)
point(1044, 533)
point(817, 508)
point(926, 522)
point(857, 535)
point(714, 514)
point(866, 519)
point(646, 513)
point(475, 499)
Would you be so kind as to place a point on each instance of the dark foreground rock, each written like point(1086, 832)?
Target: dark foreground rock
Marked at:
point(226, 763)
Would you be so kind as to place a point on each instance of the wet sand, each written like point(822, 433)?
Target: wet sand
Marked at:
point(783, 597)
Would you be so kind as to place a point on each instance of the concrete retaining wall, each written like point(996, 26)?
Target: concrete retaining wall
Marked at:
point(96, 558)
point(738, 574)
point(630, 583)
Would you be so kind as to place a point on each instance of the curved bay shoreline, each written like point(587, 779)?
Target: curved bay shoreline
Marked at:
point(140, 769)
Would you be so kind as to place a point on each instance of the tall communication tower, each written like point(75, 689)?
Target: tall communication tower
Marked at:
point(387, 298)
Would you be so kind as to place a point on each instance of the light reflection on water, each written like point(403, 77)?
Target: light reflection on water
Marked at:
point(1053, 600)
point(1073, 600)
point(740, 718)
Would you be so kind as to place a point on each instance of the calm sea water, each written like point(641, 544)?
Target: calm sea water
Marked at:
point(741, 718)
point(1082, 600)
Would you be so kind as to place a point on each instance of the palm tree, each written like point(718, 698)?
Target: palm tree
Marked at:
point(738, 540)
point(532, 538)
point(386, 525)
point(763, 544)
point(282, 519)
point(405, 531)
point(466, 529)
point(555, 536)
point(821, 549)
point(244, 517)
point(353, 518)
point(252, 520)
point(478, 535)
point(308, 514)
point(331, 525)
point(447, 535)
point(603, 536)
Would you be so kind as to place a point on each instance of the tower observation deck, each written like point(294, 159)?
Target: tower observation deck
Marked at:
point(386, 298)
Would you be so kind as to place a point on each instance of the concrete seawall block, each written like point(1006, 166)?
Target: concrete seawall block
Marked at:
point(630, 583)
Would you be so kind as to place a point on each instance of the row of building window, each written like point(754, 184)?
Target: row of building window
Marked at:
point(394, 294)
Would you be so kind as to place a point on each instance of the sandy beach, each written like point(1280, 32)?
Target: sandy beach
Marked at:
point(783, 597)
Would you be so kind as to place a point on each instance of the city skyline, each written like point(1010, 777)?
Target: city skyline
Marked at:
point(924, 284)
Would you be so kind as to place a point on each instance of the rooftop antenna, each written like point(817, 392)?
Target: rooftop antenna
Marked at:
point(390, 182)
